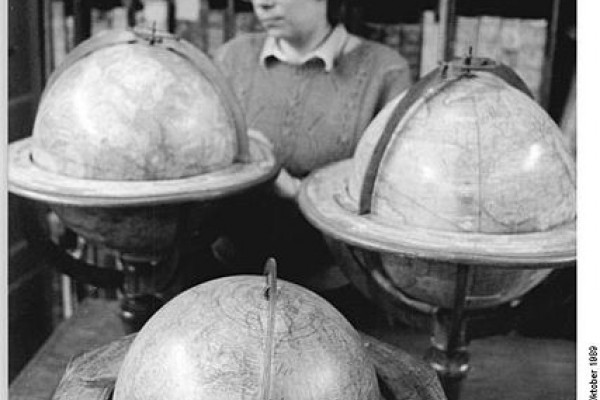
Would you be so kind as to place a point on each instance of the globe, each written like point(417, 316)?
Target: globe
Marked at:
point(131, 126)
point(464, 169)
point(133, 112)
point(210, 342)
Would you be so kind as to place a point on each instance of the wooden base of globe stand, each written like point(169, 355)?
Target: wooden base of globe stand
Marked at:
point(448, 354)
point(451, 328)
point(135, 277)
point(141, 299)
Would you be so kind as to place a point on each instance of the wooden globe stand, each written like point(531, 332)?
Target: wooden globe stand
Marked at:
point(135, 180)
point(145, 279)
point(431, 227)
point(145, 272)
point(448, 353)
point(144, 282)
point(141, 297)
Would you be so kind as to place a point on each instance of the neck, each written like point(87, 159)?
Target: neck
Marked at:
point(303, 45)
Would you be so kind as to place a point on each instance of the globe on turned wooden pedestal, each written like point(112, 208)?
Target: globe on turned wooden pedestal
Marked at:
point(136, 136)
point(460, 197)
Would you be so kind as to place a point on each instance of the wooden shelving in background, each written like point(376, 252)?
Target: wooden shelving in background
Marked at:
point(525, 34)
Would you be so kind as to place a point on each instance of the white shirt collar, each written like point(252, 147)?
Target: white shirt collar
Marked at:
point(338, 42)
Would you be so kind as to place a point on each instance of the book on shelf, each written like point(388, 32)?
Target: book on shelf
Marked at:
point(118, 18)
point(60, 43)
point(191, 21)
point(62, 33)
point(156, 14)
point(100, 21)
point(467, 30)
point(188, 10)
point(510, 42)
point(517, 42)
point(410, 47)
point(488, 37)
point(103, 20)
point(429, 48)
point(530, 63)
point(388, 34)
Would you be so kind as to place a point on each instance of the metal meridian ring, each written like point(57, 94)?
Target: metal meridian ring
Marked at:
point(433, 83)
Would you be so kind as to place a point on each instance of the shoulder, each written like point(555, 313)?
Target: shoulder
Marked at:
point(256, 39)
point(242, 45)
point(387, 71)
point(383, 57)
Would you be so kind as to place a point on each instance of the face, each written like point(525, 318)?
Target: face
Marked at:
point(291, 19)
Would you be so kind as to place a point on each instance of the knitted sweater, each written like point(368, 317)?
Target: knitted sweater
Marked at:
point(313, 117)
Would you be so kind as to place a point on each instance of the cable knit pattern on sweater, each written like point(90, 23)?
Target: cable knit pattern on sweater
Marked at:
point(313, 117)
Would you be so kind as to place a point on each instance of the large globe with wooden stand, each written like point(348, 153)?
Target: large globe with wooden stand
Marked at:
point(247, 337)
point(136, 136)
point(460, 197)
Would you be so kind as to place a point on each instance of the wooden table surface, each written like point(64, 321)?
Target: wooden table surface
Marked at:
point(506, 367)
point(502, 367)
point(95, 323)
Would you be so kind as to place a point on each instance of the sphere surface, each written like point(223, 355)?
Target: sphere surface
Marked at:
point(479, 157)
point(133, 112)
point(209, 343)
point(433, 282)
point(476, 173)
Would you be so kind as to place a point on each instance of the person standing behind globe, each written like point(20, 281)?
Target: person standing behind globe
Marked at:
point(311, 88)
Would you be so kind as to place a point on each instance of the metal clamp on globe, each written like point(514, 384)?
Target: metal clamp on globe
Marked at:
point(460, 197)
point(134, 143)
point(152, 35)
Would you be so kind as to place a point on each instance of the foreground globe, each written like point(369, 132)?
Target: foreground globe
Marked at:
point(473, 173)
point(210, 343)
point(132, 125)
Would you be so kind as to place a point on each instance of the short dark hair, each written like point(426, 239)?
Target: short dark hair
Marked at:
point(335, 11)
